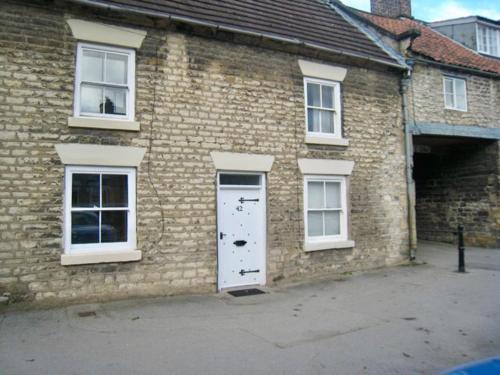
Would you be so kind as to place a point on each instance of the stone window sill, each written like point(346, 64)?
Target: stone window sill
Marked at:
point(311, 139)
point(109, 257)
point(103, 123)
point(327, 245)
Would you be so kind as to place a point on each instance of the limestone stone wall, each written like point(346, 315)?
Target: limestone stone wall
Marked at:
point(427, 99)
point(459, 184)
point(197, 92)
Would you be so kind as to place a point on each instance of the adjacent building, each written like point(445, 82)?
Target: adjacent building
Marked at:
point(451, 101)
point(478, 33)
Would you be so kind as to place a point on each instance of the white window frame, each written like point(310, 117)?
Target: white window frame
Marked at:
point(487, 47)
point(454, 80)
point(343, 236)
point(337, 116)
point(130, 100)
point(131, 242)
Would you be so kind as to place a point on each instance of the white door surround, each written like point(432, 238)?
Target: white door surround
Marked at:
point(241, 229)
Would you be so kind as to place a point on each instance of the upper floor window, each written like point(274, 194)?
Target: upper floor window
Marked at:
point(322, 108)
point(455, 95)
point(488, 40)
point(104, 85)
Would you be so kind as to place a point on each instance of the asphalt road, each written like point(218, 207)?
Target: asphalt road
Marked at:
point(406, 320)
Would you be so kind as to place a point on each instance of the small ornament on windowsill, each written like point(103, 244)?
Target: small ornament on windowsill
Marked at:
point(109, 106)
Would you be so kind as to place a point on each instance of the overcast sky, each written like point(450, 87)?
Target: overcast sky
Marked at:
point(433, 10)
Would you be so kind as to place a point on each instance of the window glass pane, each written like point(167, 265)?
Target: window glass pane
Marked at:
point(85, 227)
point(484, 39)
point(116, 68)
point(239, 179)
point(114, 190)
point(313, 120)
point(448, 99)
point(480, 38)
point(315, 194)
point(495, 42)
point(461, 102)
point(492, 41)
point(332, 223)
point(313, 96)
point(327, 96)
point(314, 224)
point(115, 101)
point(92, 65)
point(91, 99)
point(114, 226)
point(460, 87)
point(333, 195)
point(448, 86)
point(85, 190)
point(327, 122)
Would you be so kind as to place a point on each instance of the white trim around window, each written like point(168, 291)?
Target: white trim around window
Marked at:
point(322, 111)
point(107, 218)
point(325, 213)
point(107, 74)
point(455, 93)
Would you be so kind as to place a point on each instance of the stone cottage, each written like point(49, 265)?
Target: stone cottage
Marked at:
point(451, 103)
point(171, 147)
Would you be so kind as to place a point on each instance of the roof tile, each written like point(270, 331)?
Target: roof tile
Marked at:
point(433, 44)
point(309, 21)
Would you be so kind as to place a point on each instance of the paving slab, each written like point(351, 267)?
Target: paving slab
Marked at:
point(405, 320)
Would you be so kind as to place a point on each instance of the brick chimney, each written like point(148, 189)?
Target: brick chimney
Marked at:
point(391, 8)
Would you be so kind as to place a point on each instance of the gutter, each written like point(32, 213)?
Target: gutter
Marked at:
point(238, 30)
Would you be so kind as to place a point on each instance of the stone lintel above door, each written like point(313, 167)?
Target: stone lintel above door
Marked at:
point(233, 161)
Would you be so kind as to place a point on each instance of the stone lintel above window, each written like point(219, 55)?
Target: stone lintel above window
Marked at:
point(106, 34)
point(326, 167)
point(323, 71)
point(100, 155)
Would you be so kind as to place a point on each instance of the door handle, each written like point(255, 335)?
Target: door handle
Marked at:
point(240, 243)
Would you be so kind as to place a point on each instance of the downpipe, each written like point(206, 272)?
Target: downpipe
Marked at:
point(410, 183)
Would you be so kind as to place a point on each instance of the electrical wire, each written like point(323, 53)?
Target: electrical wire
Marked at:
point(150, 146)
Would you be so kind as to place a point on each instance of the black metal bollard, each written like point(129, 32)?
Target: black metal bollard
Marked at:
point(461, 249)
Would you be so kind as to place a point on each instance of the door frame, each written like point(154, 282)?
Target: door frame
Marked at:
point(263, 193)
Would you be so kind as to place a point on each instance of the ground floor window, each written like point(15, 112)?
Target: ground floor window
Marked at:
point(325, 208)
point(99, 209)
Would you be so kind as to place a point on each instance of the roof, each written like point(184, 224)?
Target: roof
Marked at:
point(309, 22)
point(432, 44)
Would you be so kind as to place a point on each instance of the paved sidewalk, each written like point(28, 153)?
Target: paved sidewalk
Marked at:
point(406, 320)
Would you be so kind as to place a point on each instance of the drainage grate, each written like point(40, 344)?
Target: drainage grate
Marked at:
point(246, 292)
point(85, 314)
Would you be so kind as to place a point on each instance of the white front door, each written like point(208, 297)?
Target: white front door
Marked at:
point(241, 224)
